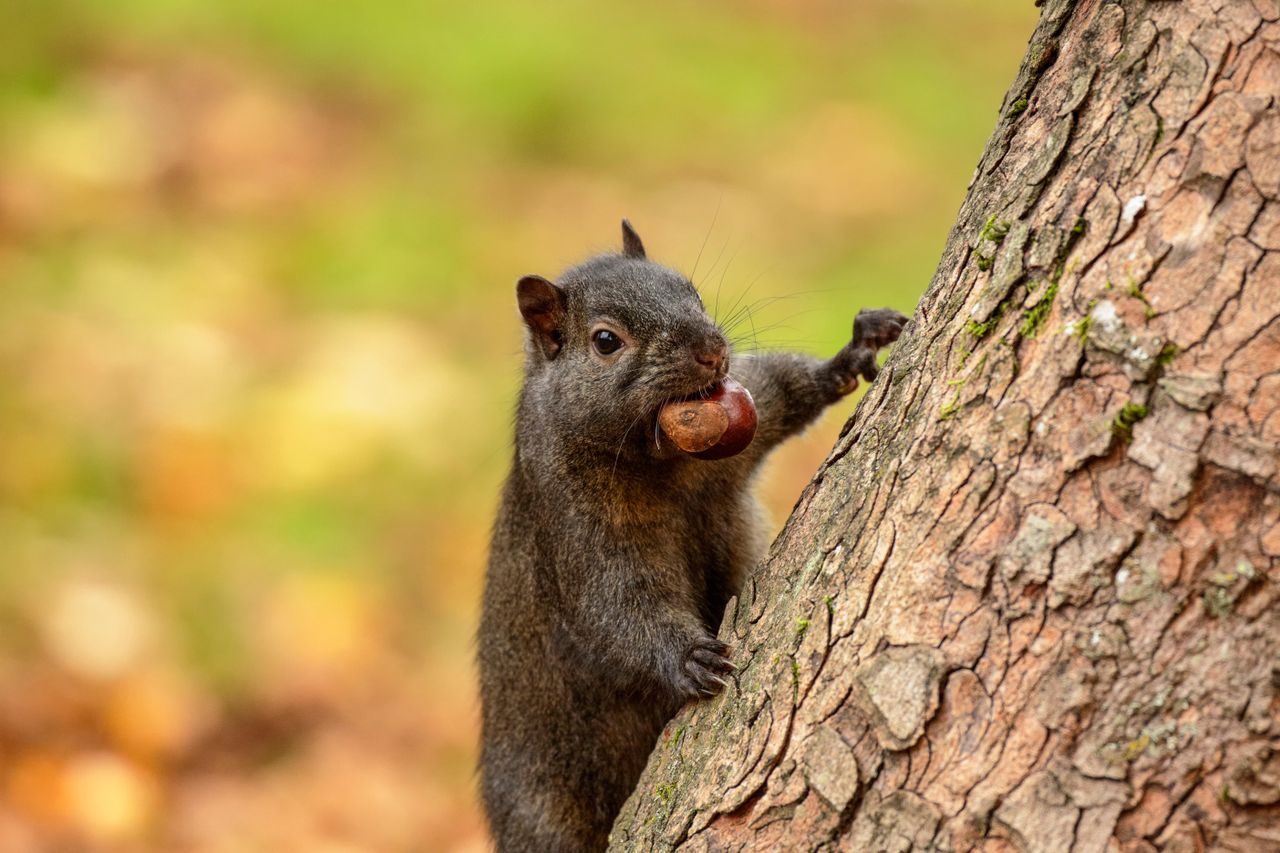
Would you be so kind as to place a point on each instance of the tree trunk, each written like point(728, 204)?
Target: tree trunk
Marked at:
point(1029, 600)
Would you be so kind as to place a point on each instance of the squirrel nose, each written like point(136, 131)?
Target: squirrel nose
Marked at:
point(713, 358)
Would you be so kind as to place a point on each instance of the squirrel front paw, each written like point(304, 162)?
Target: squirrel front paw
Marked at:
point(705, 662)
point(877, 328)
point(872, 330)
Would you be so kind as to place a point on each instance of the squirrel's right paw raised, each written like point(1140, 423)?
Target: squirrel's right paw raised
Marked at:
point(872, 330)
point(704, 665)
point(876, 328)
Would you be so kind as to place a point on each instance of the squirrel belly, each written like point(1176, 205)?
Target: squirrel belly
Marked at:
point(616, 548)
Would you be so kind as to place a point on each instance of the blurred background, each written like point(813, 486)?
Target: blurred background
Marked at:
point(259, 350)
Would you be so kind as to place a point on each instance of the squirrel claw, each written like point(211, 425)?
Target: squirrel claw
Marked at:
point(876, 328)
point(715, 661)
point(704, 665)
point(705, 682)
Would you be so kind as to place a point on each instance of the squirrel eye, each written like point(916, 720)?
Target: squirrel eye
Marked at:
point(606, 342)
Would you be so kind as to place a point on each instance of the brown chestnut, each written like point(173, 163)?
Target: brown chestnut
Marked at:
point(715, 424)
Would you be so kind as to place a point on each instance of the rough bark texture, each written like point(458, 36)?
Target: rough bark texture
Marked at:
point(1029, 602)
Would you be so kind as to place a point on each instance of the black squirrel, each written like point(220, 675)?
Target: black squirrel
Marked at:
point(614, 553)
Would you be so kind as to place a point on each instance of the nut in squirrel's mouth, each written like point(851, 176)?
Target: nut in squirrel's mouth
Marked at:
point(705, 392)
point(702, 392)
point(717, 421)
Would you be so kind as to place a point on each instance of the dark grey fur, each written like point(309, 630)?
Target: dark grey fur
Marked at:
point(614, 554)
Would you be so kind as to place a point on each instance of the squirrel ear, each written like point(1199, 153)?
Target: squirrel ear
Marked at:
point(631, 245)
point(544, 308)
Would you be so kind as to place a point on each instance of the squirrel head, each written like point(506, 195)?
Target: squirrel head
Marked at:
point(611, 340)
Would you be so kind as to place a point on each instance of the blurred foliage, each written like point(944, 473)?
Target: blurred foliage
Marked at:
point(258, 351)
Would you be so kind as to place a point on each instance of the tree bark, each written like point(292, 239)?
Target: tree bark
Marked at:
point(1029, 600)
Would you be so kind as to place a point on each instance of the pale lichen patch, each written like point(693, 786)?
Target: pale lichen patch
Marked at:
point(1132, 208)
point(1038, 815)
point(901, 821)
point(898, 689)
point(831, 767)
point(1044, 528)
point(1196, 391)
